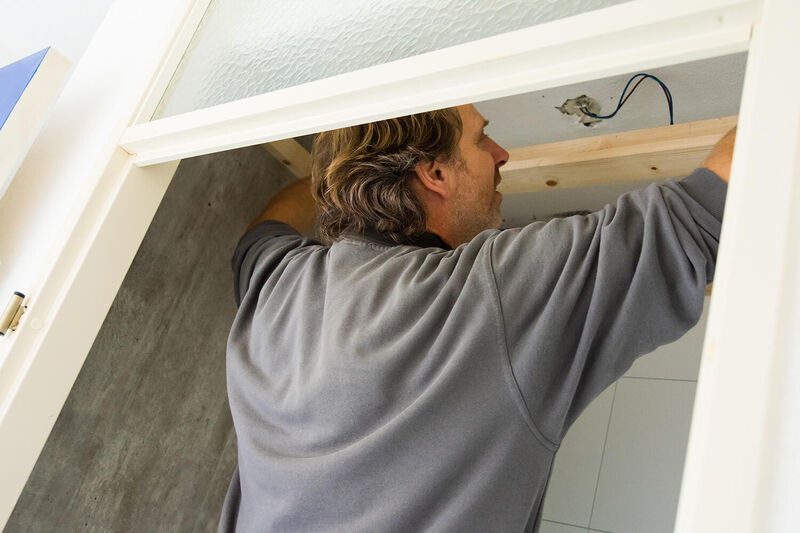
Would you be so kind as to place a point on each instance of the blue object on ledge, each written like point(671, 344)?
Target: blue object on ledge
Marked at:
point(14, 78)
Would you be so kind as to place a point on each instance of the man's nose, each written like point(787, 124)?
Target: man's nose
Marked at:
point(498, 153)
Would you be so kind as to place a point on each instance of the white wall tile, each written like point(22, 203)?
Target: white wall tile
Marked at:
point(642, 464)
point(552, 527)
point(577, 464)
point(678, 360)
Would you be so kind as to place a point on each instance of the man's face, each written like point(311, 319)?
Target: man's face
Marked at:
point(475, 202)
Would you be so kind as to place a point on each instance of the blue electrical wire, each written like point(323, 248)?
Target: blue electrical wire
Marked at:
point(622, 98)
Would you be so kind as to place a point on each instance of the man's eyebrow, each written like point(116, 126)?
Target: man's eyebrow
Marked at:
point(485, 123)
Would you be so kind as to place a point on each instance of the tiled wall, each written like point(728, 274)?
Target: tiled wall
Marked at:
point(619, 468)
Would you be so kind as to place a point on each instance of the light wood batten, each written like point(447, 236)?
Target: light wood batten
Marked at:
point(292, 154)
point(649, 154)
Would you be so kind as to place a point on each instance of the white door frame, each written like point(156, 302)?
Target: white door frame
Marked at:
point(747, 341)
point(740, 472)
point(119, 78)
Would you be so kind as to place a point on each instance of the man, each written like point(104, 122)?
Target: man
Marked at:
point(420, 372)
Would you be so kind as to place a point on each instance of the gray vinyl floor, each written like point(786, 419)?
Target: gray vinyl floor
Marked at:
point(145, 440)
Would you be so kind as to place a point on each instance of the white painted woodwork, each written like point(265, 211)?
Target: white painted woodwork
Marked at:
point(742, 472)
point(72, 221)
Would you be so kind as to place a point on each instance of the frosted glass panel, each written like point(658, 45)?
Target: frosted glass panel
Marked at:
point(244, 48)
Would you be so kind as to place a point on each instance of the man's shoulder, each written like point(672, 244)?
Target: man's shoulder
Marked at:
point(416, 265)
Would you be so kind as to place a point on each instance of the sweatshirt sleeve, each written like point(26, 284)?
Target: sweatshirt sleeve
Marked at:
point(582, 297)
point(262, 248)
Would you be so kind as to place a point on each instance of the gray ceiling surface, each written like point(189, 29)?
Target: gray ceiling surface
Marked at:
point(701, 90)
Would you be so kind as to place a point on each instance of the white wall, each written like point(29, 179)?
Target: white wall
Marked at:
point(28, 26)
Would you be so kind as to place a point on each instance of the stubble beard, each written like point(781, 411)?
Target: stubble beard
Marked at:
point(472, 219)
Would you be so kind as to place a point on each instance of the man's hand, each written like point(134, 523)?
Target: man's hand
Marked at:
point(719, 160)
point(293, 205)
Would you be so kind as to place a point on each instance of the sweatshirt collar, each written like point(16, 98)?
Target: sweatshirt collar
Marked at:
point(425, 240)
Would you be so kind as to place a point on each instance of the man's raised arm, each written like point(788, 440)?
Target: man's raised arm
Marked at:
point(293, 205)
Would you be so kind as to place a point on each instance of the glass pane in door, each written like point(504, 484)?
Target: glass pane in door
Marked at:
point(243, 48)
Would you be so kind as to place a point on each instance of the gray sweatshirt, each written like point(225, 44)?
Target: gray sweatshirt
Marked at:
point(404, 388)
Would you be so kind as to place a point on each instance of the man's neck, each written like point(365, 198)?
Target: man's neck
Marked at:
point(426, 240)
point(442, 228)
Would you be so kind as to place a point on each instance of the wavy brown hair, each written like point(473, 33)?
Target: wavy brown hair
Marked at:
point(361, 175)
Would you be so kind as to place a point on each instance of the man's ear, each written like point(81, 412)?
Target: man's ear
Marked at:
point(434, 178)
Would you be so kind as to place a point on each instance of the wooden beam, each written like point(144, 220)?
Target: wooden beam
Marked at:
point(292, 154)
point(649, 154)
